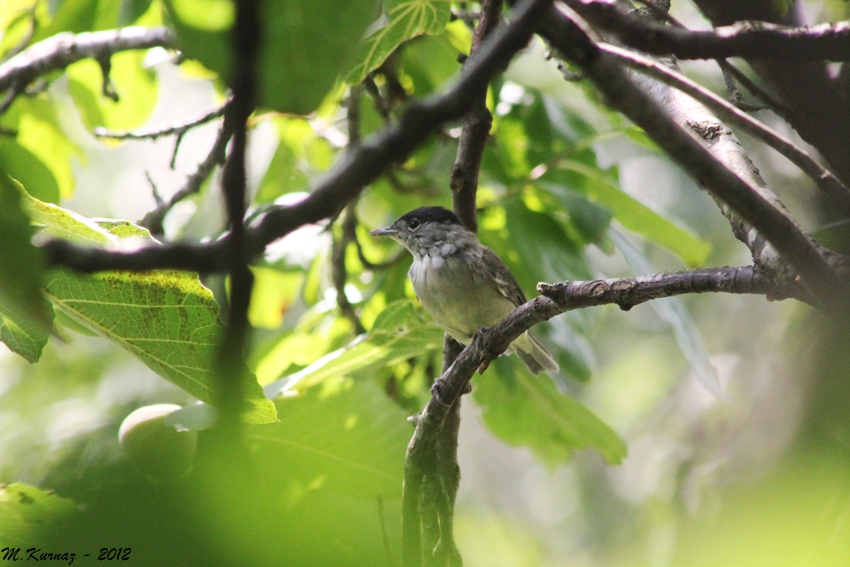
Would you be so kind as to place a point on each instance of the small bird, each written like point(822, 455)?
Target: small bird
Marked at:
point(461, 282)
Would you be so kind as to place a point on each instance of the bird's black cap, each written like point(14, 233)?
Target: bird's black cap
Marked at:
point(432, 214)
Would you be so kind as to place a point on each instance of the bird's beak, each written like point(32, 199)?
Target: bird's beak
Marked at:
point(388, 231)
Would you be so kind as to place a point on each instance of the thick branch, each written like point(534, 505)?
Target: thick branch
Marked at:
point(359, 167)
point(814, 103)
point(61, 50)
point(245, 39)
point(560, 298)
point(440, 474)
point(774, 223)
point(475, 131)
point(750, 39)
point(825, 179)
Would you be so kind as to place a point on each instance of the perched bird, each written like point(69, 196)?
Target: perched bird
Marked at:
point(461, 282)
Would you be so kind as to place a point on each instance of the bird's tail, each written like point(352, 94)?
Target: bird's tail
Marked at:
point(534, 355)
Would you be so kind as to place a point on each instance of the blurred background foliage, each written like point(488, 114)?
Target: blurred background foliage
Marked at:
point(568, 190)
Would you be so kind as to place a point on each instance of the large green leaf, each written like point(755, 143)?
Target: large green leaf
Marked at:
point(406, 19)
point(167, 319)
point(25, 316)
point(305, 44)
point(522, 409)
point(25, 511)
point(599, 188)
point(346, 436)
point(399, 333)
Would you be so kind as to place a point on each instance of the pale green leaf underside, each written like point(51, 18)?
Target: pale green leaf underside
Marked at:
point(399, 333)
point(638, 218)
point(407, 19)
point(528, 410)
point(25, 316)
point(25, 509)
point(346, 435)
point(167, 319)
point(21, 336)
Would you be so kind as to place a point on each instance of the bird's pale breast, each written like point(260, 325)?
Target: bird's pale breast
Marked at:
point(459, 299)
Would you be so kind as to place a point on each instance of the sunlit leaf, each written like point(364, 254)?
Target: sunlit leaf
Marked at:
point(346, 436)
point(399, 333)
point(39, 131)
point(25, 510)
point(406, 19)
point(25, 316)
point(167, 319)
point(22, 165)
point(522, 409)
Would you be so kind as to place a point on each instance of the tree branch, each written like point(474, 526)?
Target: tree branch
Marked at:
point(825, 179)
point(154, 133)
point(61, 50)
point(245, 39)
point(813, 103)
point(771, 221)
point(560, 298)
point(154, 219)
point(475, 131)
point(358, 167)
point(750, 39)
point(440, 475)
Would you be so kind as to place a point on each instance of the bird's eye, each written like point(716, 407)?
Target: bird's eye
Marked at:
point(414, 224)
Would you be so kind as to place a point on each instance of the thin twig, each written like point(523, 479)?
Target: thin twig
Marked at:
point(339, 273)
point(153, 220)
point(154, 133)
point(736, 97)
point(749, 39)
point(770, 101)
point(379, 266)
point(339, 247)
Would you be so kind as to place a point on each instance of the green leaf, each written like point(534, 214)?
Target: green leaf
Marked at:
point(21, 335)
point(304, 45)
point(599, 188)
point(25, 511)
point(167, 319)
point(522, 409)
point(399, 333)
point(544, 251)
point(406, 20)
point(25, 316)
point(37, 122)
point(346, 436)
point(23, 166)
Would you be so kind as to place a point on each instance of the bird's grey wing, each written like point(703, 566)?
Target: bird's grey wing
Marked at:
point(505, 280)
